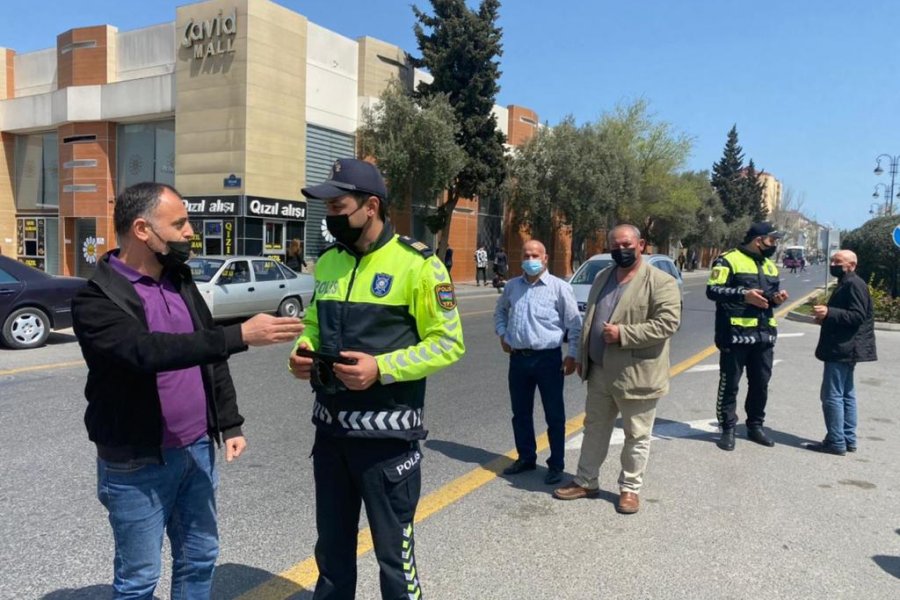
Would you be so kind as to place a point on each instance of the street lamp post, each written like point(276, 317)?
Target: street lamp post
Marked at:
point(892, 169)
point(877, 210)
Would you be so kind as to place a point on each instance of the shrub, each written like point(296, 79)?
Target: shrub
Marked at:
point(877, 255)
point(886, 308)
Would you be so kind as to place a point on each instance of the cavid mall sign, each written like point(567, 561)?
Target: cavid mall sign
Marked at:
point(211, 37)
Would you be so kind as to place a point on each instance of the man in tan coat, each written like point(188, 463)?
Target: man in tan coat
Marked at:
point(632, 311)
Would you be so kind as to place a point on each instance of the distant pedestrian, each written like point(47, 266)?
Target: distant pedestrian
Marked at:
point(501, 263)
point(846, 338)
point(633, 310)
point(692, 260)
point(294, 256)
point(481, 263)
point(681, 261)
point(532, 318)
point(448, 258)
point(802, 264)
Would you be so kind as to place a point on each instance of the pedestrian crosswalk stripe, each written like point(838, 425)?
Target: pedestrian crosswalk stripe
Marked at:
point(662, 431)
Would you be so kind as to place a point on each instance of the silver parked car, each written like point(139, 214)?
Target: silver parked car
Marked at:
point(584, 276)
point(241, 286)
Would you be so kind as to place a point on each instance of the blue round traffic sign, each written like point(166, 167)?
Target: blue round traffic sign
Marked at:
point(896, 236)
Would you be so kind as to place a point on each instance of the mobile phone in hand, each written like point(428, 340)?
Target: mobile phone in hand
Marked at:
point(327, 358)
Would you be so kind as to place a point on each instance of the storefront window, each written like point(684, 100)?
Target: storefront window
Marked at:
point(39, 243)
point(146, 153)
point(274, 240)
point(37, 171)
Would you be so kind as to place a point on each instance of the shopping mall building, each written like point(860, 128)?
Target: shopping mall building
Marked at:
point(236, 103)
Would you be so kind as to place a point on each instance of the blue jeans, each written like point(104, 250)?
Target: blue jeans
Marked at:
point(541, 369)
point(146, 500)
point(839, 405)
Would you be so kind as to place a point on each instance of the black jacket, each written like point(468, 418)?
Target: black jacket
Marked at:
point(124, 415)
point(848, 332)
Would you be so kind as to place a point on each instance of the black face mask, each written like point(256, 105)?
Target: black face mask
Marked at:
point(178, 253)
point(767, 251)
point(339, 226)
point(624, 257)
point(836, 271)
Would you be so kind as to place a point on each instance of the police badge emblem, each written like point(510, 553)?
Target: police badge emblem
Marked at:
point(445, 295)
point(381, 285)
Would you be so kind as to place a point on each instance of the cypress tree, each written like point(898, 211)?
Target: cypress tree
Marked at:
point(460, 47)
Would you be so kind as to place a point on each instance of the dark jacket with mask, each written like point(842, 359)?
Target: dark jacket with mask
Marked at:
point(848, 331)
point(124, 415)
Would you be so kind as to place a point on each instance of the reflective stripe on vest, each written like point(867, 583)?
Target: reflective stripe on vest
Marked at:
point(773, 322)
point(745, 321)
point(398, 420)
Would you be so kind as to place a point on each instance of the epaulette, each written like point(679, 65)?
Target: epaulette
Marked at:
point(328, 247)
point(420, 247)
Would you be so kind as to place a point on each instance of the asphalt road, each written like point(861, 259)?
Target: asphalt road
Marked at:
point(55, 541)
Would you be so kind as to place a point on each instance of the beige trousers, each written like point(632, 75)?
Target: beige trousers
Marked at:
point(601, 410)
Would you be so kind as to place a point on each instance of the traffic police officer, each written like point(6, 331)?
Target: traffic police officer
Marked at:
point(745, 286)
point(385, 303)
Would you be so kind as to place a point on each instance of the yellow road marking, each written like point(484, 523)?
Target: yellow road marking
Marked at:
point(62, 365)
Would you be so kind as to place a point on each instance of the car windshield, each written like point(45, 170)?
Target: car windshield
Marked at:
point(204, 269)
point(586, 272)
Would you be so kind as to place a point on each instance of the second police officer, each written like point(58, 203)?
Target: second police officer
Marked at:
point(385, 303)
point(744, 284)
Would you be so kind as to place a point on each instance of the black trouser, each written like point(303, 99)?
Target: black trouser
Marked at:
point(385, 474)
point(757, 359)
point(483, 272)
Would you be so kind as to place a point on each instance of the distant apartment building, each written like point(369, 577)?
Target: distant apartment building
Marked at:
point(238, 104)
point(771, 191)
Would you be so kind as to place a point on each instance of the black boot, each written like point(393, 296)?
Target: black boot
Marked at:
point(726, 441)
point(756, 434)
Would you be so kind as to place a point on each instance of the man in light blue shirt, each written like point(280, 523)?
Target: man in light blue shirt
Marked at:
point(532, 318)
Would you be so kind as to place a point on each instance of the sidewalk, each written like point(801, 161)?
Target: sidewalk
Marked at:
point(756, 523)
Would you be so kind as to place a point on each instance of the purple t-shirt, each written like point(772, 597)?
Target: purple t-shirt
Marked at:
point(181, 392)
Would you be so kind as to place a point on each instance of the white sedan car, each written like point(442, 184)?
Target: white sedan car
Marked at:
point(584, 276)
point(242, 286)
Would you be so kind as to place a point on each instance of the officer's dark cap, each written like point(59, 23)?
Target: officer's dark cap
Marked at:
point(349, 175)
point(763, 228)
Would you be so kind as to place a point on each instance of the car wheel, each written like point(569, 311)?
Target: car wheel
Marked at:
point(26, 328)
point(290, 307)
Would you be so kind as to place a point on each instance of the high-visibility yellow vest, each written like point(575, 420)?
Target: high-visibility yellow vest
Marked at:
point(397, 303)
point(737, 322)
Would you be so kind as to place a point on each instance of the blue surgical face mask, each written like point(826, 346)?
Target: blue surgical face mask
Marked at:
point(532, 266)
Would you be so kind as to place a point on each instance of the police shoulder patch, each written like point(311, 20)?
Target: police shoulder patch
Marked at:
point(446, 297)
point(420, 247)
point(718, 275)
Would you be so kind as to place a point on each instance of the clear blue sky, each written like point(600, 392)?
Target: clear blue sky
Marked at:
point(814, 88)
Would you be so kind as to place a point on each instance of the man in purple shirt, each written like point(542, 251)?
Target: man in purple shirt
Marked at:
point(159, 392)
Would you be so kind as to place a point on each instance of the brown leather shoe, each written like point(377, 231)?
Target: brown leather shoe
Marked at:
point(629, 503)
point(573, 491)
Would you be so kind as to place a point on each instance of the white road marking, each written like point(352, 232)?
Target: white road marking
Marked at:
point(703, 368)
point(662, 431)
point(784, 335)
point(706, 368)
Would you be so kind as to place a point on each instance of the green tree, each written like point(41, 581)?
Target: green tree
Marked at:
point(879, 258)
point(414, 144)
point(709, 227)
point(568, 175)
point(460, 48)
point(663, 206)
point(739, 189)
point(752, 193)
